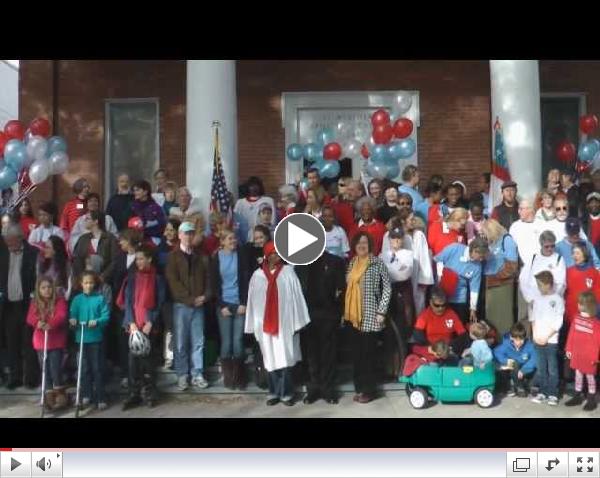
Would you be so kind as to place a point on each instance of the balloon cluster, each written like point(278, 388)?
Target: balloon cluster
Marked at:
point(324, 152)
point(588, 155)
point(29, 156)
point(390, 141)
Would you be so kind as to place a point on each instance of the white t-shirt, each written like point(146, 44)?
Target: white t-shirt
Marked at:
point(336, 242)
point(553, 263)
point(41, 234)
point(547, 315)
point(399, 264)
point(558, 228)
point(130, 259)
point(527, 237)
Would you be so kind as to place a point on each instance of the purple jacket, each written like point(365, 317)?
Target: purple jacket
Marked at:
point(152, 215)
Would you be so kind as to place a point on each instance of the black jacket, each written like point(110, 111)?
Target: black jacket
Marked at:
point(244, 274)
point(254, 256)
point(119, 208)
point(28, 270)
point(323, 283)
point(120, 271)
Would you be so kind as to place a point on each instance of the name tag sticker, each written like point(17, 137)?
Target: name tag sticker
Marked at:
point(79, 206)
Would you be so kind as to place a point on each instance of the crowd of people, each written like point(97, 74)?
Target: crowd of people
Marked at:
point(461, 281)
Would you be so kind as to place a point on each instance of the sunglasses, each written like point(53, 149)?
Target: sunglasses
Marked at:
point(549, 246)
point(561, 208)
point(438, 306)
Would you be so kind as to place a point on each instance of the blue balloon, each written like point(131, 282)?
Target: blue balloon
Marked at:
point(295, 152)
point(393, 168)
point(319, 164)
point(407, 148)
point(8, 177)
point(56, 143)
point(303, 184)
point(15, 155)
point(331, 169)
point(377, 169)
point(394, 150)
point(588, 150)
point(380, 152)
point(311, 151)
point(325, 136)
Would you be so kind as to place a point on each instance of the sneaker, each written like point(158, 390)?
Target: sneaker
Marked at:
point(182, 383)
point(512, 393)
point(124, 383)
point(168, 364)
point(85, 402)
point(552, 400)
point(539, 398)
point(102, 406)
point(199, 382)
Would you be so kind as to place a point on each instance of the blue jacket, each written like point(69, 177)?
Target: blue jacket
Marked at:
point(564, 248)
point(416, 196)
point(89, 307)
point(456, 257)
point(525, 356)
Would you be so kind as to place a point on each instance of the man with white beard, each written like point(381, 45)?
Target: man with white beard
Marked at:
point(557, 225)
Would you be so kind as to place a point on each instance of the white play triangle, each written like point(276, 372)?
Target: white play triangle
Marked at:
point(298, 239)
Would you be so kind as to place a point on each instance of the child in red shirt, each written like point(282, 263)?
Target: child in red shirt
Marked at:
point(425, 354)
point(583, 350)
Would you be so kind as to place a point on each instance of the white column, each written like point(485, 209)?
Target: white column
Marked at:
point(211, 96)
point(515, 86)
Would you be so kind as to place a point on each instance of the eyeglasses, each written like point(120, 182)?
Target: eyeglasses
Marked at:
point(561, 208)
point(404, 203)
point(438, 306)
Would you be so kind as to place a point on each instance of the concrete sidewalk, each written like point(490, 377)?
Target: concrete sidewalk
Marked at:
point(393, 405)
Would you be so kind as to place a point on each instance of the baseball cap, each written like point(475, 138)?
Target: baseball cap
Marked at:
point(593, 195)
point(396, 233)
point(187, 227)
point(572, 226)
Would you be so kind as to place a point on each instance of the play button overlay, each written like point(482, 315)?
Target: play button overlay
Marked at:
point(300, 239)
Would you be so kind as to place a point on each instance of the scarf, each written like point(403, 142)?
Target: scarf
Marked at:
point(144, 295)
point(271, 318)
point(353, 300)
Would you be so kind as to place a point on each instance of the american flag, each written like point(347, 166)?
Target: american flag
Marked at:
point(220, 196)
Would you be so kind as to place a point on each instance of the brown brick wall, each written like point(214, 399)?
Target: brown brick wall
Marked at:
point(83, 86)
point(454, 137)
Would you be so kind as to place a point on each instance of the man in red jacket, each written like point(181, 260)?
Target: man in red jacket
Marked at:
point(76, 207)
point(439, 322)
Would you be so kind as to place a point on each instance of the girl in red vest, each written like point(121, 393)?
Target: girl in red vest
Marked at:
point(443, 233)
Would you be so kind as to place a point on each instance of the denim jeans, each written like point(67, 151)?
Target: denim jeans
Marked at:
point(231, 330)
point(547, 369)
point(53, 367)
point(92, 373)
point(188, 331)
point(280, 384)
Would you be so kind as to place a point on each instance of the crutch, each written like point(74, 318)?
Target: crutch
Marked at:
point(77, 404)
point(43, 400)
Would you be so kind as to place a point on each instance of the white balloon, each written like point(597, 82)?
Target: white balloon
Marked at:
point(343, 131)
point(36, 149)
point(403, 103)
point(59, 162)
point(39, 171)
point(352, 149)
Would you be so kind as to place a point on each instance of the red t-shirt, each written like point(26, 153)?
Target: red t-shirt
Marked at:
point(594, 230)
point(28, 224)
point(579, 281)
point(74, 209)
point(438, 239)
point(210, 244)
point(440, 327)
point(344, 213)
point(583, 342)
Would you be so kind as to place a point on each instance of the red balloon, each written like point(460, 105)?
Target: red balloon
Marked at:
point(566, 152)
point(14, 130)
point(332, 151)
point(383, 133)
point(588, 123)
point(3, 140)
point(403, 128)
point(40, 127)
point(380, 117)
point(135, 223)
point(364, 151)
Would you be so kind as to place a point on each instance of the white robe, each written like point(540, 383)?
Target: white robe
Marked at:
point(422, 272)
point(282, 350)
